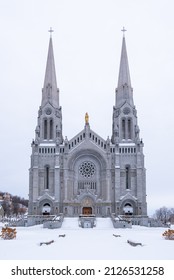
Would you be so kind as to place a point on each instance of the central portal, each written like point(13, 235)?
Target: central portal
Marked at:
point(87, 211)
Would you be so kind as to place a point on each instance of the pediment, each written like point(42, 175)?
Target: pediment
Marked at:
point(128, 196)
point(46, 195)
point(87, 195)
point(88, 139)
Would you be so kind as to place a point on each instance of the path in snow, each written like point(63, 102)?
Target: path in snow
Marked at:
point(97, 243)
point(104, 223)
point(73, 223)
point(70, 223)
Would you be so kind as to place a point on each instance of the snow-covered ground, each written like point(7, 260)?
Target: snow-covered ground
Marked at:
point(87, 244)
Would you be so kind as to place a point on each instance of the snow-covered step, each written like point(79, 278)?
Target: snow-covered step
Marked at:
point(73, 223)
point(70, 223)
point(104, 223)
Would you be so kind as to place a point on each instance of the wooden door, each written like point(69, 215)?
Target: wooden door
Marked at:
point(87, 210)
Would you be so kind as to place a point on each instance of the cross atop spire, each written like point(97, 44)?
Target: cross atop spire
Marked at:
point(51, 31)
point(123, 30)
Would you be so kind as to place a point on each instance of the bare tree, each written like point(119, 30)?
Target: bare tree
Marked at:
point(13, 206)
point(163, 214)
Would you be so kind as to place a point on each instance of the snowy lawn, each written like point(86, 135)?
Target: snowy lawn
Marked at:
point(87, 244)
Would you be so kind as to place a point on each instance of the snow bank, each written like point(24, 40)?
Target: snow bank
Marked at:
point(87, 244)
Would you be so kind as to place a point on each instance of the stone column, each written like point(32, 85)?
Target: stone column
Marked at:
point(117, 179)
point(35, 176)
point(108, 185)
point(35, 183)
point(57, 177)
point(66, 184)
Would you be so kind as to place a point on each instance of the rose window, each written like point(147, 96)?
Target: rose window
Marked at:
point(87, 169)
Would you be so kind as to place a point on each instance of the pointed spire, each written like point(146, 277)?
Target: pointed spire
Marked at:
point(50, 90)
point(124, 89)
point(124, 75)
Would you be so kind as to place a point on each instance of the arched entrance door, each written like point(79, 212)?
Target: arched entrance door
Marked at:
point(46, 209)
point(87, 211)
point(128, 209)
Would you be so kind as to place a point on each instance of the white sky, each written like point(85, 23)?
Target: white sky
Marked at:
point(87, 47)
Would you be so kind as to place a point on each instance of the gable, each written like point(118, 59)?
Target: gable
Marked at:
point(87, 138)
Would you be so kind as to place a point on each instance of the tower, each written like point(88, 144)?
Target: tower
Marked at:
point(130, 173)
point(44, 197)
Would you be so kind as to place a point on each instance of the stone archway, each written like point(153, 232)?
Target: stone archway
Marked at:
point(128, 207)
point(87, 206)
point(46, 209)
point(87, 178)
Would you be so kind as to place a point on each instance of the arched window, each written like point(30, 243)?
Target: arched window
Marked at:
point(47, 171)
point(51, 129)
point(128, 209)
point(123, 129)
point(128, 178)
point(87, 176)
point(45, 129)
point(129, 129)
point(46, 209)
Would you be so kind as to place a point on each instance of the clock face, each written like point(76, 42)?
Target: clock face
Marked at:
point(48, 111)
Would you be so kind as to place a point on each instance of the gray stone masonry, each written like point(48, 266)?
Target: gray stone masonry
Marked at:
point(87, 175)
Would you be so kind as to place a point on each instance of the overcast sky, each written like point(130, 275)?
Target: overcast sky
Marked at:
point(87, 42)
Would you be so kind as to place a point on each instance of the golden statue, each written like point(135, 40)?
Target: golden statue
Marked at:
point(86, 118)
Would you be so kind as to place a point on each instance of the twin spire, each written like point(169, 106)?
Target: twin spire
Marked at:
point(50, 92)
point(124, 89)
point(123, 92)
point(124, 75)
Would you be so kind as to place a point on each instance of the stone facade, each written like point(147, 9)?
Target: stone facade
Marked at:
point(87, 174)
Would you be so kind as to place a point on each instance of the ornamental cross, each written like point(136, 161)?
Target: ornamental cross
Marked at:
point(123, 30)
point(51, 30)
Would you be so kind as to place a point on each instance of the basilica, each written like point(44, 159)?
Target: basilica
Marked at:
point(87, 175)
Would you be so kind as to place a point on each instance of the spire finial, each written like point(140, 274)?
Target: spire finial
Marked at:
point(51, 31)
point(123, 30)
